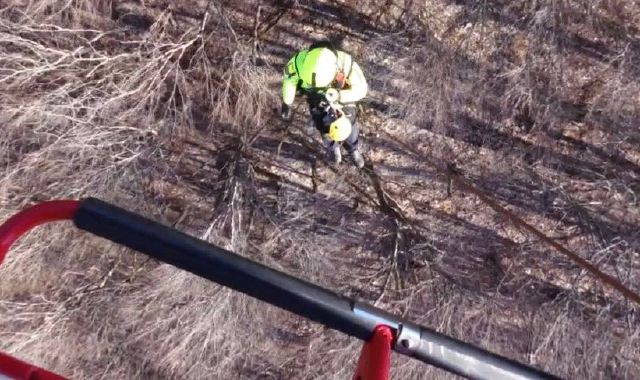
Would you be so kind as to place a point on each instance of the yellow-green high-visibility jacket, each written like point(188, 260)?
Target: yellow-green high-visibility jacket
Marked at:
point(355, 87)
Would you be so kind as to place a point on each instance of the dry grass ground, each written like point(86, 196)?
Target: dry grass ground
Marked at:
point(153, 107)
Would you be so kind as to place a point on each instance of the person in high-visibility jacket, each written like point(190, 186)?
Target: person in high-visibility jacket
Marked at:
point(327, 75)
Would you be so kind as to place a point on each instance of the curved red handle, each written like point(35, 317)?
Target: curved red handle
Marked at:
point(13, 368)
point(10, 231)
point(33, 216)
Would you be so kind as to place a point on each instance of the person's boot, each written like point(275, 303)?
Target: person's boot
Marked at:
point(357, 159)
point(333, 151)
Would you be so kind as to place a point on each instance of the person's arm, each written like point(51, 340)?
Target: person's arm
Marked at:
point(358, 86)
point(289, 82)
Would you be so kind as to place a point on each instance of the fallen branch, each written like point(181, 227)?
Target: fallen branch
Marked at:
point(256, 36)
point(456, 176)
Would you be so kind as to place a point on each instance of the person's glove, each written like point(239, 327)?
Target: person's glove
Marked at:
point(285, 112)
point(332, 95)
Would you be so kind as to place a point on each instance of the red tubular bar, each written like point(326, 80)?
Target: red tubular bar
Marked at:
point(10, 232)
point(19, 370)
point(375, 357)
point(17, 225)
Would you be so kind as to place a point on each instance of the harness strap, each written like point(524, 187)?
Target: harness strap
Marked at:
point(350, 65)
point(295, 64)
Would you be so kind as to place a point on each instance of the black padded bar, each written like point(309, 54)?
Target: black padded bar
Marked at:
point(287, 292)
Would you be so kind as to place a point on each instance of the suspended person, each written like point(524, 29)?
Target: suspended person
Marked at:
point(327, 75)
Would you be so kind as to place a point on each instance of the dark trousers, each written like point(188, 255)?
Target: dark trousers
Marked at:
point(351, 112)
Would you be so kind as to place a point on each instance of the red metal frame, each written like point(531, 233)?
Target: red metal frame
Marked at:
point(17, 225)
point(10, 231)
point(19, 370)
point(375, 357)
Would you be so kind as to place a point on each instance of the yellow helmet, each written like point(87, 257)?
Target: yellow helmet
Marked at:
point(340, 129)
point(319, 68)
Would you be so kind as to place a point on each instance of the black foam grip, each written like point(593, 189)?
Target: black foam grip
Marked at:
point(221, 266)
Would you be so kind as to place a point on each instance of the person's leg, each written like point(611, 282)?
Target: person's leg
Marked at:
point(352, 142)
point(315, 123)
point(333, 149)
point(351, 113)
point(316, 113)
point(317, 118)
